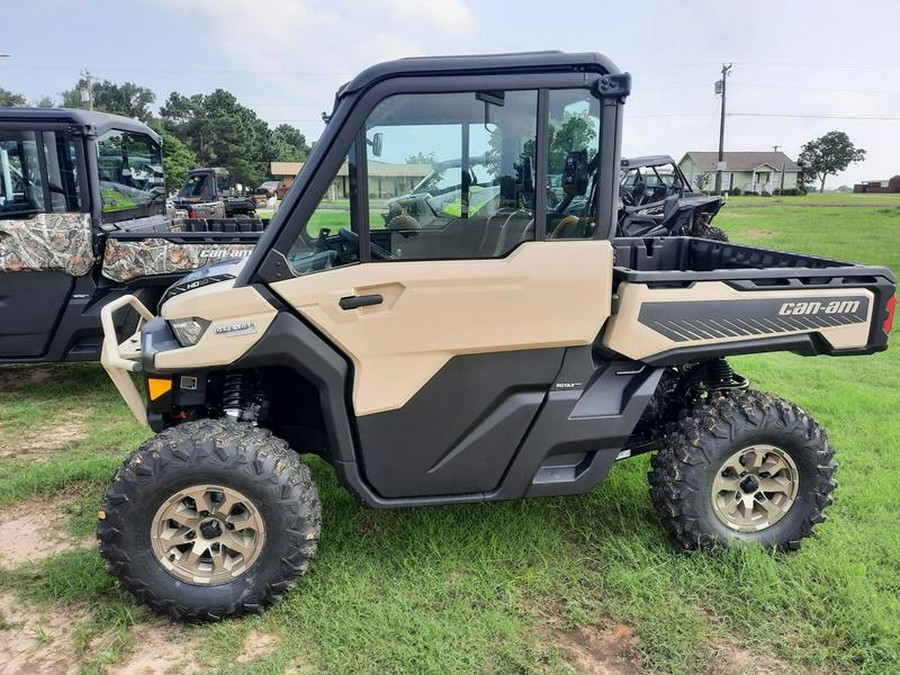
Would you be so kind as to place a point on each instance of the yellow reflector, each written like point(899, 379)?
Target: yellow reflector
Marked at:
point(158, 387)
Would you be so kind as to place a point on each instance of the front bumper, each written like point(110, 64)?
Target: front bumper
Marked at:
point(120, 359)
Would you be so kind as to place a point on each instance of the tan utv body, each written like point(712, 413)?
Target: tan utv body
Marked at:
point(448, 354)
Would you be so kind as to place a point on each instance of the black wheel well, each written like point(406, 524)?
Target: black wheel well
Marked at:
point(294, 409)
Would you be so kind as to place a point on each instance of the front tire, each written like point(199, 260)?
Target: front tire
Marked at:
point(210, 519)
point(743, 467)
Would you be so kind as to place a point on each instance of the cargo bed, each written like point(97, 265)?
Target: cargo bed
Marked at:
point(680, 299)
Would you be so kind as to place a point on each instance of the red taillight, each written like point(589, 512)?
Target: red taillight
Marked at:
point(889, 319)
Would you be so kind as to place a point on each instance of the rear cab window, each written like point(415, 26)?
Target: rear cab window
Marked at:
point(572, 164)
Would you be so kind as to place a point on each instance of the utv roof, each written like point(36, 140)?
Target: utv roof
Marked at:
point(646, 160)
point(479, 65)
point(98, 122)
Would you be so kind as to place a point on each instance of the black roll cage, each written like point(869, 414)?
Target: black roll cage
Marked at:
point(355, 102)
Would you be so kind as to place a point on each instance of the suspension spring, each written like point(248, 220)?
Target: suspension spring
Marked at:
point(719, 375)
point(234, 395)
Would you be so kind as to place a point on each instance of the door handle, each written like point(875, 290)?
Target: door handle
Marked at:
point(357, 301)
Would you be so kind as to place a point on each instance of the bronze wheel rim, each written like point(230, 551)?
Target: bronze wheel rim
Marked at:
point(207, 534)
point(755, 488)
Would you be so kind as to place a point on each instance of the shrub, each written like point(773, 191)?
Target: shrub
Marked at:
point(735, 192)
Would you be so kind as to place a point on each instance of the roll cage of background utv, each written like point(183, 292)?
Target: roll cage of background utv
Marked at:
point(514, 351)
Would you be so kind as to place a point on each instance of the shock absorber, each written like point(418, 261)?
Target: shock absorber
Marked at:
point(234, 395)
point(719, 375)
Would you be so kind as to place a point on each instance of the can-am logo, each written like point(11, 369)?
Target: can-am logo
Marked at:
point(222, 253)
point(806, 308)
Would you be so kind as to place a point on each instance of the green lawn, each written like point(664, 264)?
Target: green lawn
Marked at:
point(493, 587)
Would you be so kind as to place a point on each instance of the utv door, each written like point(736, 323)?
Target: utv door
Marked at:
point(45, 234)
point(453, 310)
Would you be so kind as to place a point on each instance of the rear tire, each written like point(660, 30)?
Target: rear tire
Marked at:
point(210, 519)
point(704, 230)
point(744, 467)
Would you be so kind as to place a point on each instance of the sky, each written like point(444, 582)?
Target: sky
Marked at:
point(800, 69)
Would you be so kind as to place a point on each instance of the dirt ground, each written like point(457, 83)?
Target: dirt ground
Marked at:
point(160, 648)
point(34, 529)
point(40, 441)
point(609, 651)
point(36, 642)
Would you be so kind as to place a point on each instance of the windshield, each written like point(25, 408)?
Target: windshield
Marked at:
point(194, 185)
point(131, 172)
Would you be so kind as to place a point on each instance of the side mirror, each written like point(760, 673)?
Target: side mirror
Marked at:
point(377, 143)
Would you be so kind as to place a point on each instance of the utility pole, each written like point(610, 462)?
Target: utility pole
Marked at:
point(87, 95)
point(775, 148)
point(720, 89)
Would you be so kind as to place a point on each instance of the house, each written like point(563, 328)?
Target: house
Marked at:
point(890, 185)
point(385, 180)
point(757, 172)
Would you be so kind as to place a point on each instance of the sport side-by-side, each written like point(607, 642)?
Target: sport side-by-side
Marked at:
point(459, 353)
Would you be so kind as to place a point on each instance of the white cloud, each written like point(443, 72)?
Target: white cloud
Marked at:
point(301, 51)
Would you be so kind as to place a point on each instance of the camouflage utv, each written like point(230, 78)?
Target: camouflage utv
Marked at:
point(82, 198)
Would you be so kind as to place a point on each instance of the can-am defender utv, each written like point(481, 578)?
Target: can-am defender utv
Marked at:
point(511, 351)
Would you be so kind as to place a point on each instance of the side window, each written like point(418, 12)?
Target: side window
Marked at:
point(330, 237)
point(222, 184)
point(38, 174)
point(131, 173)
point(572, 163)
point(451, 175)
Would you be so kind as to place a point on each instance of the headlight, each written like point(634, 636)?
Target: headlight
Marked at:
point(189, 331)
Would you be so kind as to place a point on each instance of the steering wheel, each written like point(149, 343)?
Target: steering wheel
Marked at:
point(352, 239)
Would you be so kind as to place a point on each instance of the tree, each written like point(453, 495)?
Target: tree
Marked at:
point(126, 99)
point(576, 131)
point(178, 158)
point(421, 158)
point(826, 156)
point(288, 144)
point(221, 132)
point(702, 180)
point(9, 99)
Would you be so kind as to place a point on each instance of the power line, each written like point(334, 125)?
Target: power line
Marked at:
point(821, 117)
point(791, 87)
point(190, 71)
point(863, 118)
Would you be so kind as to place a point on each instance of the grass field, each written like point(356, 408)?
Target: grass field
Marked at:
point(554, 585)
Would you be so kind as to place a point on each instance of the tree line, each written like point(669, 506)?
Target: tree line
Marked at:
point(197, 130)
point(216, 130)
